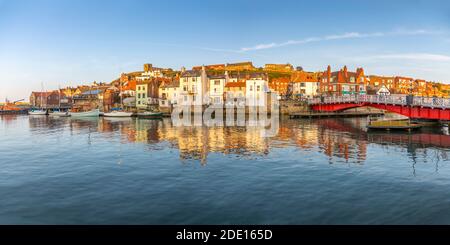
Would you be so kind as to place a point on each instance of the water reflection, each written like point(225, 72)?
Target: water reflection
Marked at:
point(344, 139)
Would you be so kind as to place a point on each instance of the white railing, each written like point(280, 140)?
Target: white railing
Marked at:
point(433, 102)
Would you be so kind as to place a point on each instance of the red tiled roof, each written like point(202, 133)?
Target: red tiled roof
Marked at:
point(235, 84)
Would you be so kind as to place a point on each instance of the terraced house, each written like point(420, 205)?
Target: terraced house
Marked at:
point(147, 92)
point(193, 86)
point(217, 88)
point(403, 85)
point(257, 88)
point(304, 85)
point(374, 83)
point(168, 92)
point(343, 82)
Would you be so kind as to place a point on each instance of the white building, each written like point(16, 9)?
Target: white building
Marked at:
point(217, 88)
point(257, 88)
point(305, 89)
point(194, 85)
point(150, 72)
point(383, 91)
point(168, 93)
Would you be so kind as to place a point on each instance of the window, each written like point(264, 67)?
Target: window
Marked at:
point(217, 82)
point(139, 96)
point(184, 88)
point(185, 98)
point(194, 79)
point(258, 88)
point(139, 102)
point(251, 88)
point(302, 85)
point(193, 97)
point(215, 90)
point(193, 89)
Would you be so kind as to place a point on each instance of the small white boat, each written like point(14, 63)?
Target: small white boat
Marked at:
point(37, 112)
point(92, 113)
point(149, 114)
point(59, 114)
point(118, 114)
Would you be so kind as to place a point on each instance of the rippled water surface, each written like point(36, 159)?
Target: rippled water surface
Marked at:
point(130, 171)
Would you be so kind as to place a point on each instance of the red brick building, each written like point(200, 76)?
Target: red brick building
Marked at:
point(343, 82)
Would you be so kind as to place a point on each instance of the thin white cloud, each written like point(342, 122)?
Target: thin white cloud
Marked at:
point(348, 35)
point(415, 57)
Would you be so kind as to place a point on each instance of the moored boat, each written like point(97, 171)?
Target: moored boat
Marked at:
point(149, 114)
point(59, 114)
point(37, 112)
point(91, 113)
point(40, 111)
point(11, 108)
point(118, 114)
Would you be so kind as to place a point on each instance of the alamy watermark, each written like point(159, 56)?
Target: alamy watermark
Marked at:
point(259, 110)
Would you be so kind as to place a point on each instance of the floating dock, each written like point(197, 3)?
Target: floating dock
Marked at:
point(308, 114)
point(393, 125)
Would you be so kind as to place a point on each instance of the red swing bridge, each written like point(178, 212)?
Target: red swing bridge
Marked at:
point(414, 107)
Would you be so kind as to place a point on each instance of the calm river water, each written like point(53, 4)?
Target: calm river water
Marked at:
point(131, 171)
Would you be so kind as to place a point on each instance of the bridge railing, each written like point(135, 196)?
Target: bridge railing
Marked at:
point(380, 99)
point(432, 102)
point(384, 99)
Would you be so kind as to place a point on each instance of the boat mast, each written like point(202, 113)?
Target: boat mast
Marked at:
point(121, 95)
point(42, 95)
point(59, 98)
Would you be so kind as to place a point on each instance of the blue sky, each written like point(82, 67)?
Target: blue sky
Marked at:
point(62, 42)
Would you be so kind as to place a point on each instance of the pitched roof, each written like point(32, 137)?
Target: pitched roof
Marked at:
point(221, 76)
point(235, 84)
point(171, 84)
point(43, 94)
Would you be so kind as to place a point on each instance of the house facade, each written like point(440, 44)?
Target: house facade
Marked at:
point(168, 93)
point(343, 82)
point(256, 89)
point(403, 85)
point(217, 88)
point(304, 84)
point(193, 86)
point(88, 100)
point(50, 100)
point(305, 89)
point(374, 83)
point(234, 93)
point(147, 92)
